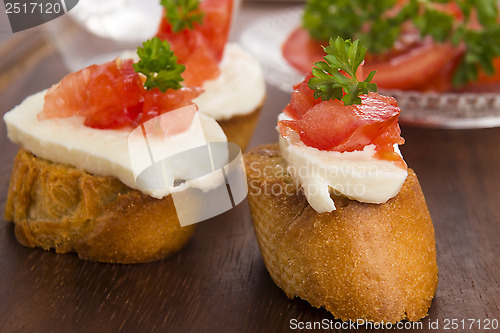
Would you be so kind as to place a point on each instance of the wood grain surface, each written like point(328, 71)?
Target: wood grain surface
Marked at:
point(218, 283)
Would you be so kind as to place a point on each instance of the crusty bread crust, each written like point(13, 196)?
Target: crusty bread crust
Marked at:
point(239, 129)
point(59, 207)
point(362, 261)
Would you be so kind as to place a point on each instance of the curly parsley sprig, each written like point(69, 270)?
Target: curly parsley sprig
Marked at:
point(182, 14)
point(330, 83)
point(378, 26)
point(159, 64)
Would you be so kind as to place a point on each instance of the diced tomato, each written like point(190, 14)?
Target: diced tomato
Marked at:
point(157, 103)
point(111, 96)
point(65, 99)
point(385, 145)
point(326, 125)
point(201, 49)
point(216, 24)
point(302, 99)
point(330, 125)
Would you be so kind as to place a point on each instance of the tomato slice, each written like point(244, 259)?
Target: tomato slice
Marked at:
point(301, 51)
point(108, 95)
point(414, 69)
point(111, 96)
point(201, 48)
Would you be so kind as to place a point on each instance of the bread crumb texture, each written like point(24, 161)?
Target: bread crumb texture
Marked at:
point(59, 207)
point(361, 261)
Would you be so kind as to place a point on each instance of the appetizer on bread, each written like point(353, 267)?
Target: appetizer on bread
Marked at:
point(340, 220)
point(232, 79)
point(414, 45)
point(73, 186)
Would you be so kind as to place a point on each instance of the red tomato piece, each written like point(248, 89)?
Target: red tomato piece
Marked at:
point(201, 49)
point(114, 95)
point(414, 68)
point(111, 96)
point(302, 99)
point(485, 82)
point(107, 95)
point(66, 98)
point(412, 64)
point(326, 125)
point(331, 125)
point(216, 24)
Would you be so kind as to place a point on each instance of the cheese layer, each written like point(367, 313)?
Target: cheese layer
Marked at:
point(358, 175)
point(107, 152)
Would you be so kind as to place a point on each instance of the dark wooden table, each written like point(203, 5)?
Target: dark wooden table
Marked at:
point(219, 282)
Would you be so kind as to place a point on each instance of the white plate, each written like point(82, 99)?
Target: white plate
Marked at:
point(265, 37)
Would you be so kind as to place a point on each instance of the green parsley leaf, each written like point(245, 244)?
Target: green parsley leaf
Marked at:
point(347, 19)
point(330, 83)
point(481, 48)
point(182, 14)
point(434, 23)
point(378, 26)
point(159, 64)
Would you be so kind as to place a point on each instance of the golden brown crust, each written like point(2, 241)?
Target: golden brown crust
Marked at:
point(239, 129)
point(60, 207)
point(362, 261)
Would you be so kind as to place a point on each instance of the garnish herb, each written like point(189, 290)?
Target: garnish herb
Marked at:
point(182, 14)
point(159, 64)
point(378, 24)
point(330, 83)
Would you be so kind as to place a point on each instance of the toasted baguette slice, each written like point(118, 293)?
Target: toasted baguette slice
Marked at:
point(59, 207)
point(362, 261)
point(239, 129)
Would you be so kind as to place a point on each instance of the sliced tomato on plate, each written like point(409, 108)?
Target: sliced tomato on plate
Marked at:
point(416, 67)
point(301, 51)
